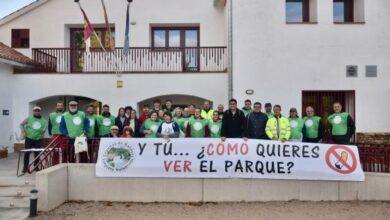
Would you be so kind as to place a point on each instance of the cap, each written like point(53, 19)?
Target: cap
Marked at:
point(114, 127)
point(268, 104)
point(73, 103)
point(37, 108)
point(293, 110)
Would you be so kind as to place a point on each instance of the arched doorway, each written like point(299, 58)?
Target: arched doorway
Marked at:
point(177, 100)
point(48, 104)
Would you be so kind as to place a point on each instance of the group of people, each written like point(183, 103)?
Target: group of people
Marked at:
point(191, 121)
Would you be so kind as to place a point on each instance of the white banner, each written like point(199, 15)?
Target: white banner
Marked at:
point(234, 158)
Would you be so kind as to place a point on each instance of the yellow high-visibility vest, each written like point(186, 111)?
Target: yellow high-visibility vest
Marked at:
point(279, 128)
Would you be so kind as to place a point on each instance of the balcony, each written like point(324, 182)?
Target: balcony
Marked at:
point(138, 60)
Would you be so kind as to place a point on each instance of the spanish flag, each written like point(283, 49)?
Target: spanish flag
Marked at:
point(111, 40)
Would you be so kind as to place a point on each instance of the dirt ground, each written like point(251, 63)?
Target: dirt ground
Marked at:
point(226, 211)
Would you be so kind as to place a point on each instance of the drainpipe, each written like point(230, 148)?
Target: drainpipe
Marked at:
point(230, 50)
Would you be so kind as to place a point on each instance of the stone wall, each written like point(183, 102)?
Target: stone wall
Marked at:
point(374, 138)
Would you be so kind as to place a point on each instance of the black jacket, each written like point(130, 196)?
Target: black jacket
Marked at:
point(121, 125)
point(255, 125)
point(233, 126)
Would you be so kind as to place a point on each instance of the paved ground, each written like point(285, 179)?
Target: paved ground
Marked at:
point(225, 211)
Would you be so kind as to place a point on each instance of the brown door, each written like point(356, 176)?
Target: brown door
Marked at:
point(322, 101)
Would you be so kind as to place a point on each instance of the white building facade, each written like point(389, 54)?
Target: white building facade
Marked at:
point(190, 51)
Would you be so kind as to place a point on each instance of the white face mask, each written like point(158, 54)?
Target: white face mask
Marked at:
point(72, 109)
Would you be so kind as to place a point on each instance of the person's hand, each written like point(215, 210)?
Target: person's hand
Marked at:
point(275, 138)
point(284, 140)
point(148, 132)
point(166, 137)
point(223, 139)
point(245, 139)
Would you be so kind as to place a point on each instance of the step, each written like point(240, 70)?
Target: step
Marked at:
point(14, 214)
point(14, 181)
point(11, 202)
point(15, 191)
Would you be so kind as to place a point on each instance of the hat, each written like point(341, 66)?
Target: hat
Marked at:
point(293, 110)
point(114, 127)
point(37, 108)
point(73, 103)
point(268, 104)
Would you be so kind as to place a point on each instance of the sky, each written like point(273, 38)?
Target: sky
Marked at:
point(9, 6)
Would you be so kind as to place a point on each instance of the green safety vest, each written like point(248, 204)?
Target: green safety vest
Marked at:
point(92, 126)
point(311, 125)
point(339, 122)
point(207, 115)
point(296, 125)
point(180, 122)
point(55, 120)
point(246, 111)
point(215, 129)
point(105, 124)
point(270, 115)
point(35, 127)
point(74, 123)
point(152, 125)
point(198, 127)
point(184, 124)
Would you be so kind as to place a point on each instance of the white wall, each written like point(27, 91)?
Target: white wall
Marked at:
point(279, 60)
point(49, 24)
point(6, 127)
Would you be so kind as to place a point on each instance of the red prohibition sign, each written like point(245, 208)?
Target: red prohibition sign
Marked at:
point(332, 152)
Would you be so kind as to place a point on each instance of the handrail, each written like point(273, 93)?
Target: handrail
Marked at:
point(42, 160)
point(138, 60)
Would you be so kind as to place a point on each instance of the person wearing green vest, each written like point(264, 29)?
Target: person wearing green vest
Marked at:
point(197, 126)
point(268, 110)
point(313, 126)
point(150, 126)
point(207, 112)
point(55, 120)
point(105, 121)
point(297, 126)
point(92, 131)
point(215, 126)
point(341, 124)
point(180, 120)
point(278, 127)
point(186, 118)
point(247, 107)
point(33, 128)
point(73, 122)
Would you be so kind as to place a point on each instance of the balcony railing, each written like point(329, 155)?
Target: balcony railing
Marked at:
point(138, 60)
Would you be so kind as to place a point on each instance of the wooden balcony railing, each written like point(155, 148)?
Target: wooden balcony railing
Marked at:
point(138, 60)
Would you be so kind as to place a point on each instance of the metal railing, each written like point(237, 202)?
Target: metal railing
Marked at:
point(375, 157)
point(138, 60)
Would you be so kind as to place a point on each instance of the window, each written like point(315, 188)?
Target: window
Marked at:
point(20, 38)
point(301, 11)
point(77, 38)
point(175, 37)
point(297, 10)
point(347, 11)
